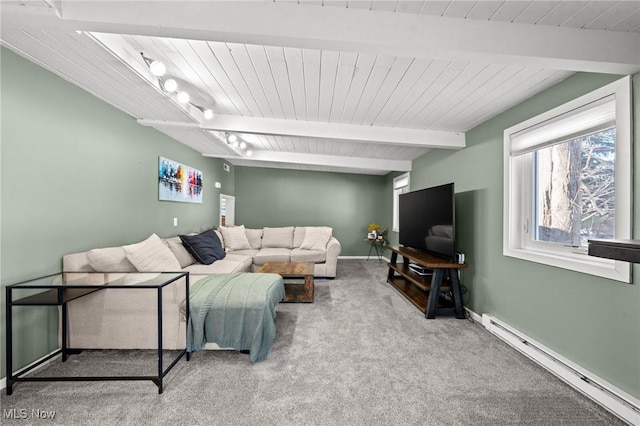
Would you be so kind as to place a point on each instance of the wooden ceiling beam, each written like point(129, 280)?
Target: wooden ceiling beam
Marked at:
point(315, 129)
point(333, 161)
point(378, 32)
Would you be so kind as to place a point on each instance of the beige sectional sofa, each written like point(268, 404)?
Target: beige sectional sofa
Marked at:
point(281, 244)
point(127, 319)
point(285, 244)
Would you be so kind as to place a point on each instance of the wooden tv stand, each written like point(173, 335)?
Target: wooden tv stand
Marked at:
point(424, 290)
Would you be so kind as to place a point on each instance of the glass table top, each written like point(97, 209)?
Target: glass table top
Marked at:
point(97, 279)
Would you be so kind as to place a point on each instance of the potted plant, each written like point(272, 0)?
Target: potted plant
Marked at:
point(376, 232)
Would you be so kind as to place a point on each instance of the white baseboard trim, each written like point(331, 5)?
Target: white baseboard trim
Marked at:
point(477, 318)
point(604, 393)
point(3, 381)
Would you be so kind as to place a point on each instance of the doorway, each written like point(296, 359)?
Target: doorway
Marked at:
point(227, 210)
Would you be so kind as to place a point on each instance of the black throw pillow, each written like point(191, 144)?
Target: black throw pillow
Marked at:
point(205, 247)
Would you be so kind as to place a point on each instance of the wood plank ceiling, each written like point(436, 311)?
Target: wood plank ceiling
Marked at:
point(348, 86)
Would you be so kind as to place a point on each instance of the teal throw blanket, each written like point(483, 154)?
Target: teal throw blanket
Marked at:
point(235, 311)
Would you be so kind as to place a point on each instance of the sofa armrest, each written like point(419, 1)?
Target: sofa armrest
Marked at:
point(333, 251)
point(333, 247)
point(76, 262)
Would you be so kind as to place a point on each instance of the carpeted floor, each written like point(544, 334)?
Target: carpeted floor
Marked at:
point(359, 355)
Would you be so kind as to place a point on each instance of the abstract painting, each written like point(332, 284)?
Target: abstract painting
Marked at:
point(177, 182)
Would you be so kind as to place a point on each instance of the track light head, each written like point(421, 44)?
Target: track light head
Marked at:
point(183, 97)
point(170, 85)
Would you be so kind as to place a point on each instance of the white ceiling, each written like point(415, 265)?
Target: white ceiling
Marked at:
point(350, 86)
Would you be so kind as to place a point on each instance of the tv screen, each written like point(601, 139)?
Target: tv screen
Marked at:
point(427, 220)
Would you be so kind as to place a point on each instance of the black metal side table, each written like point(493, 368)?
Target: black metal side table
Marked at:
point(59, 289)
point(377, 246)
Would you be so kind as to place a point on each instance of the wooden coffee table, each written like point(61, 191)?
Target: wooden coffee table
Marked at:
point(290, 271)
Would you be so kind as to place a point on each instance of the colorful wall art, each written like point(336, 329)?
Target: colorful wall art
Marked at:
point(177, 182)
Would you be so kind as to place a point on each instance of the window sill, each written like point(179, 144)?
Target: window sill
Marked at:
point(605, 268)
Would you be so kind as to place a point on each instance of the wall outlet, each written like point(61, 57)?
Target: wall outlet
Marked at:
point(175, 221)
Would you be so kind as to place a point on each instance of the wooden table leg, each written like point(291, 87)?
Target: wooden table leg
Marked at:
point(394, 259)
point(457, 294)
point(309, 288)
point(434, 293)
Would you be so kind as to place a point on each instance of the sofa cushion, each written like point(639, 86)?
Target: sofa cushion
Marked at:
point(278, 237)
point(110, 259)
point(151, 255)
point(235, 237)
point(239, 257)
point(316, 238)
point(180, 252)
point(272, 255)
point(255, 237)
point(298, 236)
point(249, 252)
point(304, 255)
point(219, 234)
point(224, 266)
point(205, 247)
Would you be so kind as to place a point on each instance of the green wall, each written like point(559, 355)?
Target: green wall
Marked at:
point(79, 174)
point(346, 202)
point(593, 321)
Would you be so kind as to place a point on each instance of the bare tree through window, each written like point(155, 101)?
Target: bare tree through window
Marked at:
point(575, 189)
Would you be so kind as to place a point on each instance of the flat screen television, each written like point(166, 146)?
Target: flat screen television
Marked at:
point(427, 220)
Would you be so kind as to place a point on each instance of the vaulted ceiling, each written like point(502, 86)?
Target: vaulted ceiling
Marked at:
point(350, 86)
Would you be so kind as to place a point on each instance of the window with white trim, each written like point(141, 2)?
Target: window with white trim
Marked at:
point(400, 186)
point(567, 179)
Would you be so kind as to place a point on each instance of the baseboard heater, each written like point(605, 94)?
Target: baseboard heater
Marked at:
point(615, 400)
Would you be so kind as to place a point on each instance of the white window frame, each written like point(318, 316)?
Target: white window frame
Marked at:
point(399, 184)
point(518, 191)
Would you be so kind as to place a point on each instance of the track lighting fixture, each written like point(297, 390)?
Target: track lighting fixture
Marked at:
point(207, 113)
point(238, 145)
point(183, 97)
point(157, 68)
point(170, 85)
